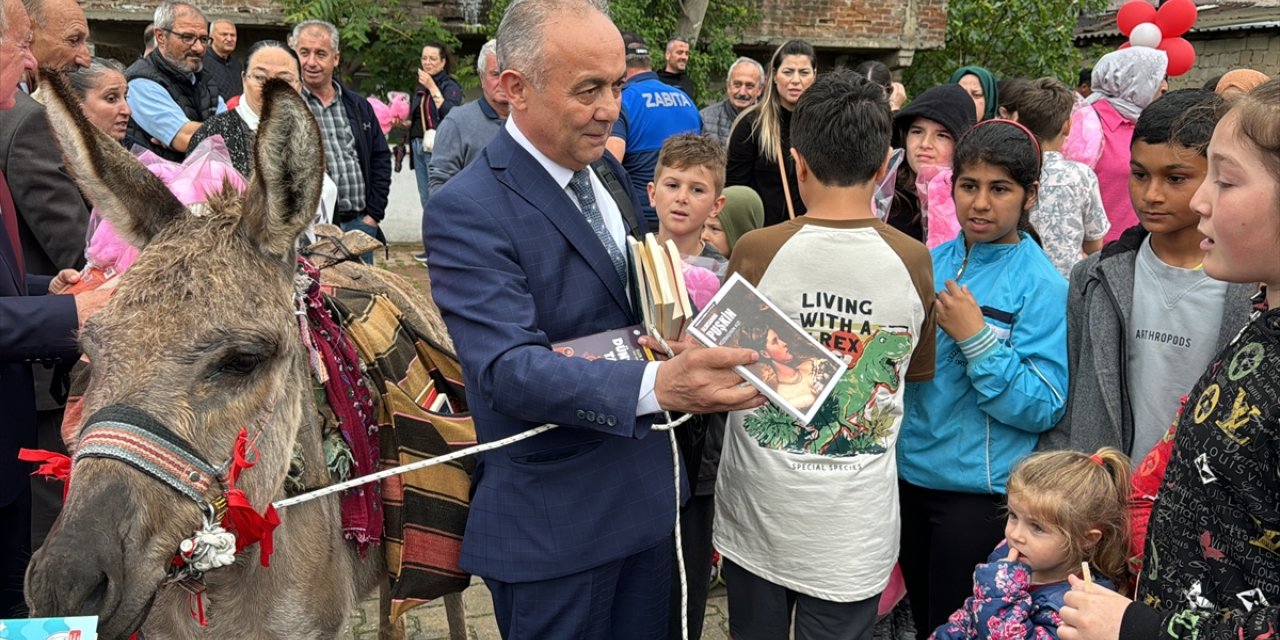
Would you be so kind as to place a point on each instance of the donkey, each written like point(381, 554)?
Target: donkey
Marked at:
point(201, 336)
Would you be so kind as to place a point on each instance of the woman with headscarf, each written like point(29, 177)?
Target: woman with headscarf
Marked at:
point(1124, 83)
point(743, 211)
point(760, 141)
point(982, 87)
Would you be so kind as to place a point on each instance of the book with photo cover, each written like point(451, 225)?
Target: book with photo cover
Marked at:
point(794, 371)
point(615, 344)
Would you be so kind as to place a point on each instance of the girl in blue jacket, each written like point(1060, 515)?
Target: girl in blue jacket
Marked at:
point(1001, 376)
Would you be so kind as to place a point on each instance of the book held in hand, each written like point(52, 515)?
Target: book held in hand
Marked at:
point(794, 371)
point(615, 344)
point(660, 288)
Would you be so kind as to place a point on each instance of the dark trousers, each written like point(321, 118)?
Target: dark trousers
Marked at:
point(695, 539)
point(626, 599)
point(762, 610)
point(15, 553)
point(945, 535)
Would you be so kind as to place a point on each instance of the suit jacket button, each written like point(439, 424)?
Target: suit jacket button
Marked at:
point(581, 414)
point(611, 421)
point(600, 419)
point(591, 415)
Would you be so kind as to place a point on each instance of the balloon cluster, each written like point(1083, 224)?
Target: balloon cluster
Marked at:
point(1163, 29)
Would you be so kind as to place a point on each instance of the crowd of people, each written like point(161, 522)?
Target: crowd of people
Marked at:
point(1059, 307)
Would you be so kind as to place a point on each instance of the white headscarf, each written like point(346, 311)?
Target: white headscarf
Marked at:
point(1129, 79)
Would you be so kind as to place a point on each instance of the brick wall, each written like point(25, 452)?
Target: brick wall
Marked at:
point(828, 24)
point(849, 24)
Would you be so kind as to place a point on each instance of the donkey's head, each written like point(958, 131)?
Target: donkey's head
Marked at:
point(199, 340)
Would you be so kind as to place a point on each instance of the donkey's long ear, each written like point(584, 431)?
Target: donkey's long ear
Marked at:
point(288, 171)
point(136, 202)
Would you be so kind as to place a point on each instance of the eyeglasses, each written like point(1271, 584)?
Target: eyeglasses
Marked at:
point(189, 39)
point(261, 79)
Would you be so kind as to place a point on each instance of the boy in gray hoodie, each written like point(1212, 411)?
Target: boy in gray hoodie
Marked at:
point(1143, 319)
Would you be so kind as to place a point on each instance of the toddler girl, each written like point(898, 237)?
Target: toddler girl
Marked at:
point(1065, 508)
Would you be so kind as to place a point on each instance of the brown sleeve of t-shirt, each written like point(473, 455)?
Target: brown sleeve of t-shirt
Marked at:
point(920, 265)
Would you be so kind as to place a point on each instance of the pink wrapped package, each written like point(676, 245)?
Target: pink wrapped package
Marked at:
point(205, 171)
point(933, 185)
point(1084, 141)
point(398, 109)
point(702, 284)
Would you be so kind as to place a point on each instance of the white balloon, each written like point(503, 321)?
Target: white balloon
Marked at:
point(1146, 34)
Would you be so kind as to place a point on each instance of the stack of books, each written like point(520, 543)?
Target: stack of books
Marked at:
point(660, 288)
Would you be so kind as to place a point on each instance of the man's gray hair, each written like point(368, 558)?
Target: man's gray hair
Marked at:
point(315, 24)
point(82, 80)
point(166, 14)
point(490, 48)
point(216, 21)
point(149, 36)
point(35, 11)
point(520, 33)
point(744, 60)
point(672, 42)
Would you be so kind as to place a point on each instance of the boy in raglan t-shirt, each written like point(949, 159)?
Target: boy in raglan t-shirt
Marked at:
point(807, 515)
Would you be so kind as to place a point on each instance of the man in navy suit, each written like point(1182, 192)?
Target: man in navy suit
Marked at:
point(571, 529)
point(33, 328)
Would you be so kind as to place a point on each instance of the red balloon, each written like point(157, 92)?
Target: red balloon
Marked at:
point(1123, 46)
point(1176, 17)
point(1134, 13)
point(1181, 55)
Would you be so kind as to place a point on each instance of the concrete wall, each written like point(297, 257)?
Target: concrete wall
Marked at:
point(1252, 50)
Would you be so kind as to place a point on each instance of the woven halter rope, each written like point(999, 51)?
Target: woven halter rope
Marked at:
point(138, 439)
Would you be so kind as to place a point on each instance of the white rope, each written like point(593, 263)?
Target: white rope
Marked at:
point(414, 466)
point(668, 426)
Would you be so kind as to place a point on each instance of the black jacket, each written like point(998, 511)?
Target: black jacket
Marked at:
point(371, 147)
point(198, 100)
point(680, 80)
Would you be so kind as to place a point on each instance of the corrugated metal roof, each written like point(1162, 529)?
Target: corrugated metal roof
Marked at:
point(1213, 18)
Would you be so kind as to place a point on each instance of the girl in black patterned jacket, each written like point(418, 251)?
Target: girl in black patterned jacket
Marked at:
point(1212, 567)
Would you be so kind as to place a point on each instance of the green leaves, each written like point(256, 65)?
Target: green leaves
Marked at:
point(656, 20)
point(1029, 38)
point(381, 42)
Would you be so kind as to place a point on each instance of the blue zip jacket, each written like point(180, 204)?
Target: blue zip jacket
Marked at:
point(992, 395)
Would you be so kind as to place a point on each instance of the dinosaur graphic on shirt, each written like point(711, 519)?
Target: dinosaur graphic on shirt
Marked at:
point(850, 421)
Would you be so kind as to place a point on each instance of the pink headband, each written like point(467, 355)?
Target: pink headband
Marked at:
point(1034, 141)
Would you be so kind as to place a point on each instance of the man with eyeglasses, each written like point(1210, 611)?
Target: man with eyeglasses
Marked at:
point(169, 92)
point(220, 62)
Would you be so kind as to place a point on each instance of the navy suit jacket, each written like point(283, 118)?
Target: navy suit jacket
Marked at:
point(33, 328)
point(515, 267)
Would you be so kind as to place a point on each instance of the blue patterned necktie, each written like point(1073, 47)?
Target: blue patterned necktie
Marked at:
point(581, 185)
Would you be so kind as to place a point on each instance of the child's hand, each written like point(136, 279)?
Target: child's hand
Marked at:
point(1013, 555)
point(1091, 612)
point(957, 312)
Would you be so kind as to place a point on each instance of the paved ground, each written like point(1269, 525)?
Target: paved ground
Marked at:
point(428, 621)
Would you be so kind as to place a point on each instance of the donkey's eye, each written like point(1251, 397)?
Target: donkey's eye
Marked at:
point(240, 364)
